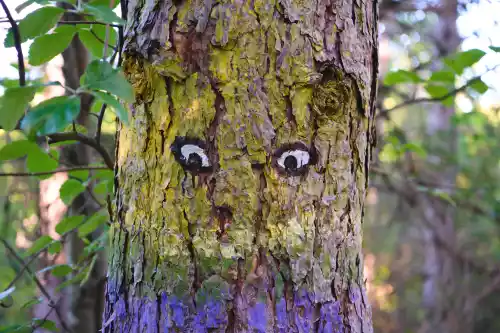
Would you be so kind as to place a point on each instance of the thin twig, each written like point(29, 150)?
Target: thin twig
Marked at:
point(17, 44)
point(60, 137)
point(99, 124)
point(45, 173)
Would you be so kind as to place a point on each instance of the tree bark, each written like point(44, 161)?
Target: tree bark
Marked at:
point(241, 179)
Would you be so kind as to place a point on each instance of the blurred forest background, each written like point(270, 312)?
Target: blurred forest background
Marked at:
point(432, 218)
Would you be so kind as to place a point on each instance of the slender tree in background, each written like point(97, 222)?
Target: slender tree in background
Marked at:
point(241, 179)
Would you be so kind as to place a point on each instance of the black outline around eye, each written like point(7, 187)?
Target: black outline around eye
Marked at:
point(293, 146)
point(176, 146)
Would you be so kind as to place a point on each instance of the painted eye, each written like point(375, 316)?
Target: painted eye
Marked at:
point(191, 153)
point(293, 159)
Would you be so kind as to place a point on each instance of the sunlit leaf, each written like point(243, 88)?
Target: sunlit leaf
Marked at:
point(115, 105)
point(38, 245)
point(479, 86)
point(35, 24)
point(100, 75)
point(46, 47)
point(17, 149)
point(439, 92)
point(55, 247)
point(442, 76)
point(401, 76)
point(51, 115)
point(94, 37)
point(70, 190)
point(458, 62)
point(13, 105)
point(69, 223)
point(103, 13)
point(94, 222)
point(39, 161)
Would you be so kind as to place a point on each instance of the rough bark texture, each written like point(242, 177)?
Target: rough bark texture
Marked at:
point(244, 247)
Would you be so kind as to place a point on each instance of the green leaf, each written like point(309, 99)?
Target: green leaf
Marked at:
point(438, 92)
point(401, 76)
point(55, 247)
point(77, 278)
point(103, 13)
point(83, 175)
point(479, 86)
point(32, 302)
point(38, 245)
point(416, 148)
point(17, 149)
point(93, 38)
point(45, 323)
point(70, 190)
point(58, 270)
point(62, 270)
point(13, 104)
point(104, 188)
point(51, 115)
point(35, 24)
point(100, 75)
point(462, 60)
point(39, 161)
point(442, 76)
point(6, 293)
point(16, 328)
point(495, 48)
point(69, 223)
point(46, 47)
point(115, 105)
point(94, 222)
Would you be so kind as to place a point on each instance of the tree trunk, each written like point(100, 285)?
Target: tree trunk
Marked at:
point(442, 293)
point(241, 179)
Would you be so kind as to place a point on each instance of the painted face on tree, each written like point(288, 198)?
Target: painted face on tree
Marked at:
point(288, 160)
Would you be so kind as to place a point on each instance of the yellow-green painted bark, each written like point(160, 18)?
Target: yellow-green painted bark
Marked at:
point(250, 245)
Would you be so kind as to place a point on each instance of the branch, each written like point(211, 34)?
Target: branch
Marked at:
point(60, 137)
point(17, 44)
point(434, 99)
point(99, 124)
point(29, 174)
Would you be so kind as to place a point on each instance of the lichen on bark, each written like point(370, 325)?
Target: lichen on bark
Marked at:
point(243, 248)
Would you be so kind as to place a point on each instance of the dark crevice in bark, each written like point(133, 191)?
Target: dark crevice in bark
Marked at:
point(192, 253)
point(289, 111)
point(171, 107)
point(163, 138)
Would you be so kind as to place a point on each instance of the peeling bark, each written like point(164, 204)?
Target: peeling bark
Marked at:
point(244, 247)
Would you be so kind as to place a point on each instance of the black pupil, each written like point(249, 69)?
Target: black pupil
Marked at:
point(194, 161)
point(290, 163)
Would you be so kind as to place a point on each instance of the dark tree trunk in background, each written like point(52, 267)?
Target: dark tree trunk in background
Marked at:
point(442, 292)
point(241, 180)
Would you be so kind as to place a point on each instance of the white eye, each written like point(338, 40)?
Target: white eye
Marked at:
point(195, 154)
point(191, 153)
point(293, 159)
